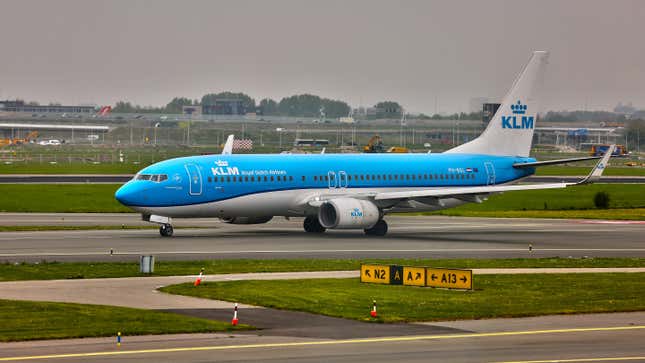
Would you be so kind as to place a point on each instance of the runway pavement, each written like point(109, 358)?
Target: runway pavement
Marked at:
point(122, 178)
point(587, 338)
point(409, 236)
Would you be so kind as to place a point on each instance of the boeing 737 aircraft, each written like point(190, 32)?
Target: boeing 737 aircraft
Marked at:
point(350, 191)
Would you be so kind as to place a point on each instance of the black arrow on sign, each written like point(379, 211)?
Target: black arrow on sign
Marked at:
point(434, 277)
point(367, 273)
point(418, 276)
point(463, 279)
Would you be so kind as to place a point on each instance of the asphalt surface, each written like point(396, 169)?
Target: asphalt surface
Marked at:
point(304, 337)
point(409, 237)
point(581, 338)
point(122, 178)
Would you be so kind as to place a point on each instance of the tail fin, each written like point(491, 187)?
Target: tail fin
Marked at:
point(104, 110)
point(228, 146)
point(510, 131)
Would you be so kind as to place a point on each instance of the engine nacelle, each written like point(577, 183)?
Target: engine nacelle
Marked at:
point(247, 220)
point(348, 213)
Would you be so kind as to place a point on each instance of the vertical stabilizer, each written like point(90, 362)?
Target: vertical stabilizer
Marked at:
point(510, 131)
point(228, 146)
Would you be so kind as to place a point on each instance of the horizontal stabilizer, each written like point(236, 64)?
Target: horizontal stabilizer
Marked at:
point(553, 162)
point(597, 171)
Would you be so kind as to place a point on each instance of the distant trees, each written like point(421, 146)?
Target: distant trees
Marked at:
point(304, 105)
point(176, 104)
point(269, 107)
point(388, 109)
point(247, 102)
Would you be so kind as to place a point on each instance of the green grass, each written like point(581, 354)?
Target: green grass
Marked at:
point(29, 320)
point(495, 296)
point(100, 198)
point(60, 198)
point(584, 170)
point(637, 214)
point(89, 270)
point(627, 201)
point(73, 168)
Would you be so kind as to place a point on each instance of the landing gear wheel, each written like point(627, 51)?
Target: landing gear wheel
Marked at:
point(312, 225)
point(379, 229)
point(166, 230)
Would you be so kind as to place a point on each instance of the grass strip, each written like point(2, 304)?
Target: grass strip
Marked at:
point(495, 296)
point(88, 270)
point(574, 202)
point(30, 320)
point(584, 170)
point(60, 198)
point(635, 214)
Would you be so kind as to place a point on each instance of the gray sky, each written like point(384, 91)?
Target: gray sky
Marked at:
point(358, 51)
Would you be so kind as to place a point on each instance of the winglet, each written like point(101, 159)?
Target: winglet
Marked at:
point(597, 171)
point(228, 146)
point(323, 150)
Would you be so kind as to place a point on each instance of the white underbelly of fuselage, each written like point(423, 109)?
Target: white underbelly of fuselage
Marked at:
point(288, 203)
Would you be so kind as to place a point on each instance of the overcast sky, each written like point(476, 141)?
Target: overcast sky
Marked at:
point(362, 52)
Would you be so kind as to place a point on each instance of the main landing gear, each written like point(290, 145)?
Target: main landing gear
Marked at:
point(166, 230)
point(379, 229)
point(312, 225)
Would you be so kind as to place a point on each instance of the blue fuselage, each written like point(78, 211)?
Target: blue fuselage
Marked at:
point(213, 178)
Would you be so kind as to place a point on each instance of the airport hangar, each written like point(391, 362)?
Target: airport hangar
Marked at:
point(64, 131)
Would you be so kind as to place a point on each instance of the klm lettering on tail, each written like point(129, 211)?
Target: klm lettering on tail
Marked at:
point(515, 121)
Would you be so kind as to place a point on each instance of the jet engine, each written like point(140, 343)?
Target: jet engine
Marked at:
point(246, 220)
point(348, 213)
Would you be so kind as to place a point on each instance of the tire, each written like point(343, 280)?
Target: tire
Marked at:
point(166, 230)
point(379, 229)
point(312, 225)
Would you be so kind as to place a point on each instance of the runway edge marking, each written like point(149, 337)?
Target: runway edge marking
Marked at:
point(324, 342)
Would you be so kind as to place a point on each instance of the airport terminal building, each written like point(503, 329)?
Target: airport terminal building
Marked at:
point(21, 106)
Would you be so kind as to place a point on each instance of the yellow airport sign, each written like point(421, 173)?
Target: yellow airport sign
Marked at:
point(449, 278)
point(414, 276)
point(376, 274)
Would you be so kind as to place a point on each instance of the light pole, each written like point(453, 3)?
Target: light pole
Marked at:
point(155, 130)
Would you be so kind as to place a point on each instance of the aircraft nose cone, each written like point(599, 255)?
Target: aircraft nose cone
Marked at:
point(125, 195)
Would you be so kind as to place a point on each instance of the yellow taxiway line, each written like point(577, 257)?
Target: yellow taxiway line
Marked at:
point(323, 342)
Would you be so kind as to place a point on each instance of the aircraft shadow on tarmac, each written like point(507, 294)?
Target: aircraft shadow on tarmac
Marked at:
point(272, 322)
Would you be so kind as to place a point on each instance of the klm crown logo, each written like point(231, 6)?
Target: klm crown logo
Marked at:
point(516, 121)
point(518, 108)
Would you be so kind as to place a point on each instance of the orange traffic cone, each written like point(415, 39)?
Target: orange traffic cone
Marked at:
point(199, 278)
point(234, 321)
point(373, 312)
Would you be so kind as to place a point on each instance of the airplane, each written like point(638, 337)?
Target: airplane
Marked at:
point(351, 191)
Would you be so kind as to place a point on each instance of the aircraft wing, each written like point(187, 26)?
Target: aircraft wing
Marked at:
point(460, 191)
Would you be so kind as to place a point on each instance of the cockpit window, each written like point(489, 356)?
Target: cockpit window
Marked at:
point(142, 177)
point(157, 178)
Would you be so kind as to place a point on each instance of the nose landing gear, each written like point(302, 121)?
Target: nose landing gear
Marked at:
point(166, 230)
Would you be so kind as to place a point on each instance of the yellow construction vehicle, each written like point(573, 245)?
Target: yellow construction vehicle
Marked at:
point(398, 149)
point(375, 145)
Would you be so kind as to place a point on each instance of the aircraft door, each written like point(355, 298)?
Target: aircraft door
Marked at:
point(342, 179)
point(332, 179)
point(490, 172)
point(194, 178)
